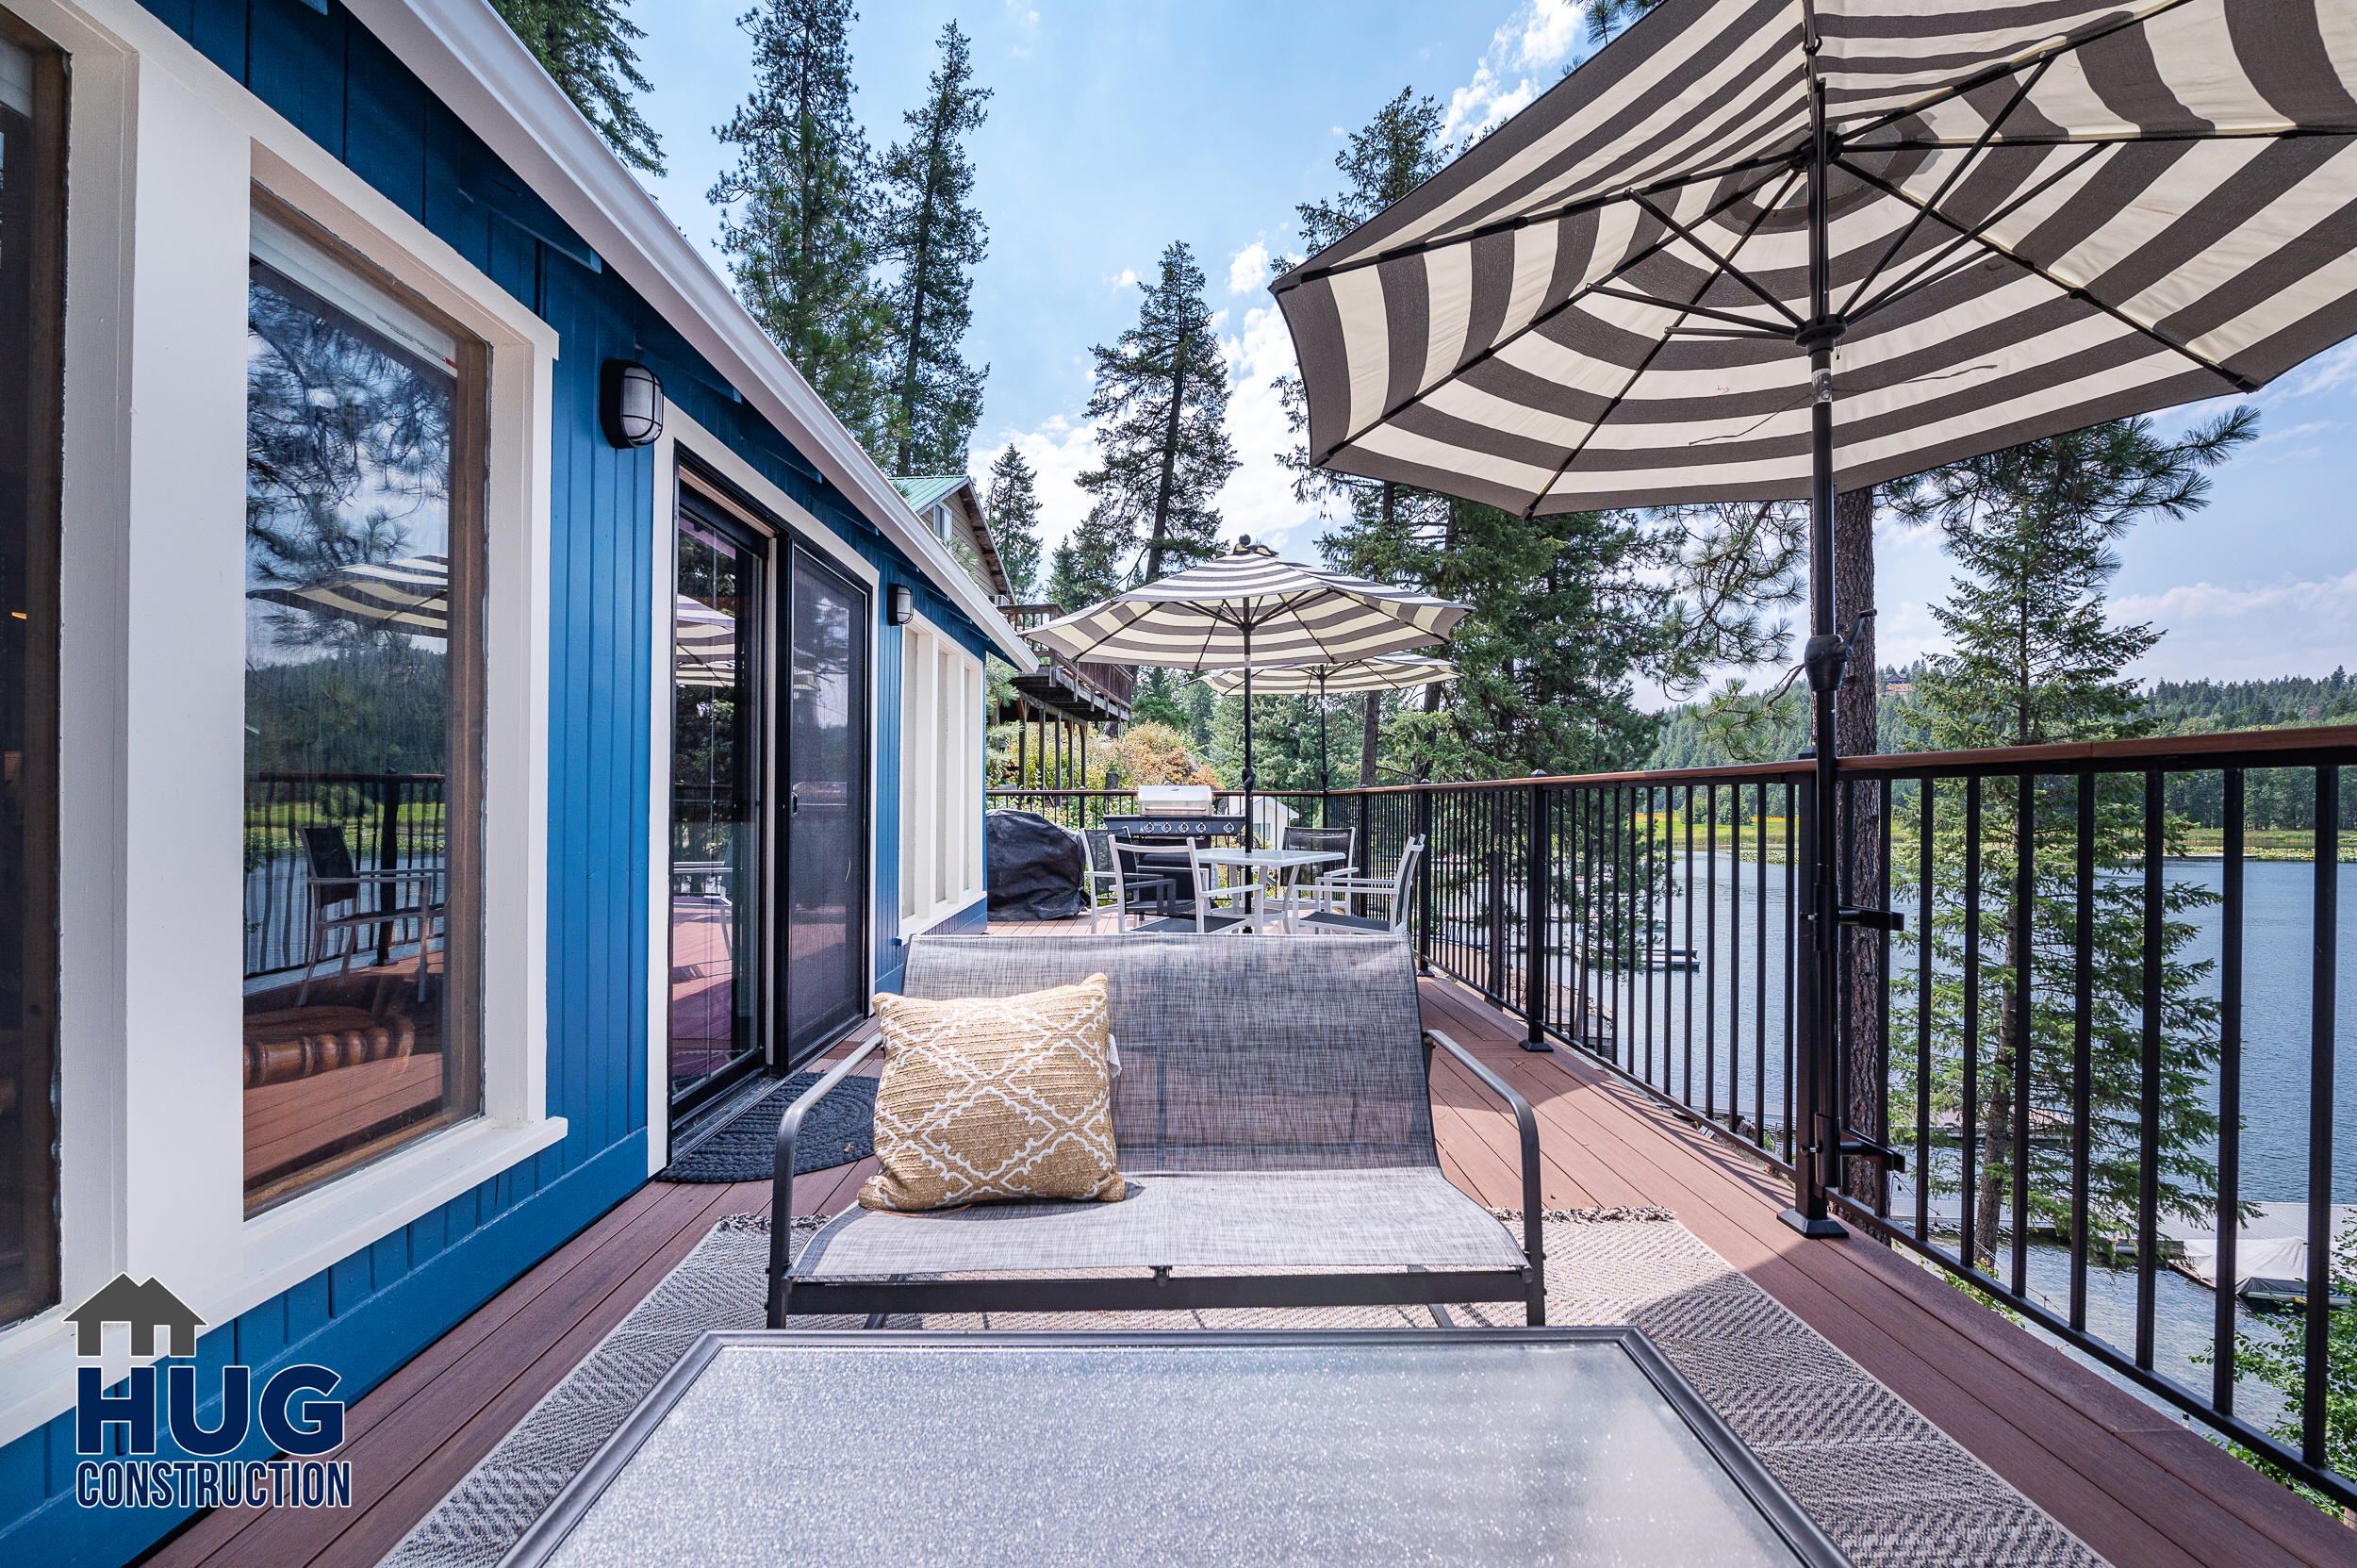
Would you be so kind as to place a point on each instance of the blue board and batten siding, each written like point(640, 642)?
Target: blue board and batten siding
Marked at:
point(372, 1311)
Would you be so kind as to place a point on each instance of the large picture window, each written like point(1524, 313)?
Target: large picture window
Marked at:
point(364, 592)
point(32, 293)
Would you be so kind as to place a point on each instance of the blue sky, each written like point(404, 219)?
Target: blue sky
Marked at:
point(1119, 125)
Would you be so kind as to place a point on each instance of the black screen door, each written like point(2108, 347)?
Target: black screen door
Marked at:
point(824, 933)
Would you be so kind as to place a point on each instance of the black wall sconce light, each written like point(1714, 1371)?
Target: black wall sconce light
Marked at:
point(630, 403)
point(899, 604)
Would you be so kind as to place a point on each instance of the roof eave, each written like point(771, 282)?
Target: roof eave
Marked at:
point(475, 64)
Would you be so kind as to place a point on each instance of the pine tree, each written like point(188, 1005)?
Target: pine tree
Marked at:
point(1398, 149)
point(1159, 699)
point(1564, 609)
point(586, 46)
point(1086, 568)
point(1012, 510)
point(1162, 406)
point(2036, 661)
point(929, 227)
point(1284, 742)
point(800, 231)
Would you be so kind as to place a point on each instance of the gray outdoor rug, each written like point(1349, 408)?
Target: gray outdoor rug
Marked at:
point(1892, 1489)
point(840, 1130)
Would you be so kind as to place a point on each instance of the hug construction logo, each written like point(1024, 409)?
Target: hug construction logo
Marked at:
point(129, 1476)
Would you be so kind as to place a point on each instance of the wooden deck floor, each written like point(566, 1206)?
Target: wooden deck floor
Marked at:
point(2137, 1486)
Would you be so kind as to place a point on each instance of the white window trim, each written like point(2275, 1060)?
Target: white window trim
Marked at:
point(164, 151)
point(939, 831)
point(682, 434)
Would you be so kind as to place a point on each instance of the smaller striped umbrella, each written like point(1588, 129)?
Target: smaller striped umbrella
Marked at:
point(412, 595)
point(1245, 609)
point(1301, 680)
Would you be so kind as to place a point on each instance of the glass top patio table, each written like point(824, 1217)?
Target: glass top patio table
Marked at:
point(1517, 1445)
point(1268, 860)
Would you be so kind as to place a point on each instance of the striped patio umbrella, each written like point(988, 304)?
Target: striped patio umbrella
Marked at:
point(1306, 680)
point(1757, 249)
point(412, 594)
point(1249, 609)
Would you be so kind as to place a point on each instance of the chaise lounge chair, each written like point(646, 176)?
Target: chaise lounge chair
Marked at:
point(1272, 1112)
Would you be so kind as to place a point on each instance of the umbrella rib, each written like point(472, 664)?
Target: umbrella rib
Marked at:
point(2099, 139)
point(1546, 316)
point(1638, 374)
point(1909, 285)
point(1756, 335)
point(1729, 316)
point(2005, 68)
point(1963, 166)
point(2239, 382)
point(1726, 266)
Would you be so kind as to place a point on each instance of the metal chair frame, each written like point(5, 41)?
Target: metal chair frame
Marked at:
point(1395, 888)
point(333, 883)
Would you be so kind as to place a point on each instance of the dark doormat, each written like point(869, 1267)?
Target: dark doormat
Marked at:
point(839, 1130)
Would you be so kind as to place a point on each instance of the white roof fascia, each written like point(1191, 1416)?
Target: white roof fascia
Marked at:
point(476, 65)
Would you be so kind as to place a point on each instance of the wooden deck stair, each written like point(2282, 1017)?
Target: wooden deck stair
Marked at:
point(2134, 1483)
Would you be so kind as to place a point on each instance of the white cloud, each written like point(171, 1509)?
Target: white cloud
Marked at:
point(1127, 278)
point(1906, 632)
point(2331, 372)
point(2293, 628)
point(1247, 269)
point(1257, 497)
point(1057, 451)
point(1524, 60)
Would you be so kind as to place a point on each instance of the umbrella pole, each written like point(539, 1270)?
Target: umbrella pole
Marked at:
point(1325, 774)
point(1818, 1168)
point(1248, 780)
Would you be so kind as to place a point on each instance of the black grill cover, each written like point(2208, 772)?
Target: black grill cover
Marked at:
point(1031, 867)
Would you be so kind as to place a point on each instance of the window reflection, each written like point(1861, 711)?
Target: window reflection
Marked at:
point(355, 1022)
point(716, 821)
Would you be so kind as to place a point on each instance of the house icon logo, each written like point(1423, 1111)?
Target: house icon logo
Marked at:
point(227, 1449)
point(144, 1308)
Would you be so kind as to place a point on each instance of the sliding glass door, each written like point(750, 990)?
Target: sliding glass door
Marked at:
point(719, 748)
point(769, 808)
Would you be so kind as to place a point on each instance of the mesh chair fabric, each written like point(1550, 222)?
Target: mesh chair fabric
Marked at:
point(1228, 1219)
point(1236, 1055)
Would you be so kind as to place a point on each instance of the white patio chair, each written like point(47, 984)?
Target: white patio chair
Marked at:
point(1398, 889)
point(1211, 891)
point(1296, 891)
point(1108, 866)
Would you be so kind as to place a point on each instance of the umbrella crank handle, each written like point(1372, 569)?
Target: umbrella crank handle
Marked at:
point(1827, 658)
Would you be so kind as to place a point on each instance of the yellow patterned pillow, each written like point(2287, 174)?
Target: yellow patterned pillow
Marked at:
point(994, 1097)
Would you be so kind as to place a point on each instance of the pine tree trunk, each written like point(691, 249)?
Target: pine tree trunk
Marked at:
point(1854, 735)
point(916, 331)
point(1997, 1103)
point(1170, 458)
point(1371, 737)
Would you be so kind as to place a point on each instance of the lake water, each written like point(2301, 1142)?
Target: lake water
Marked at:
point(1689, 1019)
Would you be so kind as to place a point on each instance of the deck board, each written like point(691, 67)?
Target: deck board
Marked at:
point(2135, 1484)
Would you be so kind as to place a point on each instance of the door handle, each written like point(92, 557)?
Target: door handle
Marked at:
point(793, 801)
